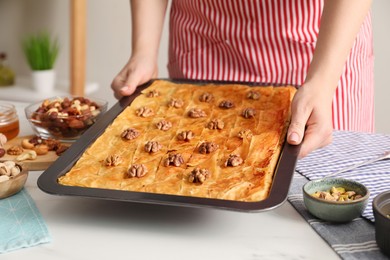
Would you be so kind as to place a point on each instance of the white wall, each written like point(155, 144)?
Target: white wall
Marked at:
point(381, 28)
point(108, 42)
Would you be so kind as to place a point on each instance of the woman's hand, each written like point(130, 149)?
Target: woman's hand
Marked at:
point(138, 70)
point(147, 19)
point(311, 119)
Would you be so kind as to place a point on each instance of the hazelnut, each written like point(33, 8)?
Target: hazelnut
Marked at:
point(36, 140)
point(61, 149)
point(2, 152)
point(52, 144)
point(41, 149)
point(75, 123)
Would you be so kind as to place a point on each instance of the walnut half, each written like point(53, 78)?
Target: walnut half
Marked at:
point(206, 97)
point(198, 175)
point(216, 124)
point(185, 136)
point(176, 103)
point(15, 150)
point(113, 160)
point(196, 113)
point(245, 133)
point(153, 93)
point(252, 94)
point(152, 147)
point(208, 147)
point(248, 112)
point(137, 170)
point(164, 125)
point(226, 104)
point(130, 134)
point(144, 112)
point(234, 160)
point(174, 160)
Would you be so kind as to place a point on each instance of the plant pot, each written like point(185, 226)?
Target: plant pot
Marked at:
point(43, 80)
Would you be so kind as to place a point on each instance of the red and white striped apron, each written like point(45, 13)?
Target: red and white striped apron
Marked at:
point(268, 41)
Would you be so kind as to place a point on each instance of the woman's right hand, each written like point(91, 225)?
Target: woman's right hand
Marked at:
point(138, 70)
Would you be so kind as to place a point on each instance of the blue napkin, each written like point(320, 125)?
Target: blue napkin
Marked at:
point(21, 224)
point(347, 149)
point(354, 240)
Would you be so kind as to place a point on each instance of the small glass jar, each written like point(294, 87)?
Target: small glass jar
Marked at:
point(9, 121)
point(7, 75)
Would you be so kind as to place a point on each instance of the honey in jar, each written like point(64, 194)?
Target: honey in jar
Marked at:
point(9, 121)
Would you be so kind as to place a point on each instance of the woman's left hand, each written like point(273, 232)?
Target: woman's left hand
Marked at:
point(311, 119)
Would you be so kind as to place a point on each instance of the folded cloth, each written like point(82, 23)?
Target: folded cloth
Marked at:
point(351, 241)
point(21, 224)
point(347, 149)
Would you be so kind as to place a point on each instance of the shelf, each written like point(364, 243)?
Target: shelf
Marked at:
point(22, 90)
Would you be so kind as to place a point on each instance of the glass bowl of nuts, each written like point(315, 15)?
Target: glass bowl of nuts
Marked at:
point(12, 178)
point(64, 118)
point(335, 199)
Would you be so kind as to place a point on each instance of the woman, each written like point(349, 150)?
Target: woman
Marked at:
point(325, 46)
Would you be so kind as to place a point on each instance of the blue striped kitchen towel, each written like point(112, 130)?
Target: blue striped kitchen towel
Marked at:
point(347, 149)
point(351, 241)
point(354, 240)
point(21, 224)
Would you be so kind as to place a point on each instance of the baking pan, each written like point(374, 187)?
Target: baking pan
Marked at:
point(47, 182)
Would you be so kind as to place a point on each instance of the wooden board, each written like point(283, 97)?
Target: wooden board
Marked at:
point(42, 162)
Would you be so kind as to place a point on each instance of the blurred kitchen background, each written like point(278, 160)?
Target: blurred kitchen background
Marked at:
point(108, 37)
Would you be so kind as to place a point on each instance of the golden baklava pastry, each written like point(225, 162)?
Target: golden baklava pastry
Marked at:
point(219, 141)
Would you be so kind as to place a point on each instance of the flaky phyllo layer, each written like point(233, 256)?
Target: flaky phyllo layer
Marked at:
point(212, 141)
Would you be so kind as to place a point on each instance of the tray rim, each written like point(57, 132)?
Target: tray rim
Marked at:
point(282, 178)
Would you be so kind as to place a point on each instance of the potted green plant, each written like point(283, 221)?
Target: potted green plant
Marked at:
point(41, 51)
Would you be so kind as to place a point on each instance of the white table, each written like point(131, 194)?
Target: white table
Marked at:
point(98, 229)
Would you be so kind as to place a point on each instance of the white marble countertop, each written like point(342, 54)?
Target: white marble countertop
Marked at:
point(100, 229)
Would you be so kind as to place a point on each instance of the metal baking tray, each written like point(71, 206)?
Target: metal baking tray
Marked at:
point(48, 183)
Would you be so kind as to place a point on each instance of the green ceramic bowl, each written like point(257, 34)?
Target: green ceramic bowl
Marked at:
point(335, 211)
